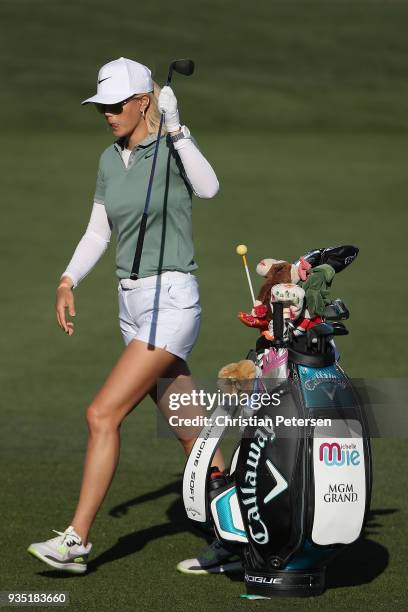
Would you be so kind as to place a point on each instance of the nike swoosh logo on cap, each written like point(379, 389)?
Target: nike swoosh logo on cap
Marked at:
point(104, 79)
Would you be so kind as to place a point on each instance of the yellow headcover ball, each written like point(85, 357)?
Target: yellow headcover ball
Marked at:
point(242, 249)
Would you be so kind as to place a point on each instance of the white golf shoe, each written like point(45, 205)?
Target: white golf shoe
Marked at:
point(214, 560)
point(65, 552)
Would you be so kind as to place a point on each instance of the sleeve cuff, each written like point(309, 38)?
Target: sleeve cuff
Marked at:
point(183, 142)
point(71, 276)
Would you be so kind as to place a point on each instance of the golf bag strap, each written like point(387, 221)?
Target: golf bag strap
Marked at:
point(198, 466)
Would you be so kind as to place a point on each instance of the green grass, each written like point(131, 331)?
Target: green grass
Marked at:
point(302, 109)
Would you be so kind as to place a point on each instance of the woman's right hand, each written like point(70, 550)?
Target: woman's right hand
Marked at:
point(65, 299)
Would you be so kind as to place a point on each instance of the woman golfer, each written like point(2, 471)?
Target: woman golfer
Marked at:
point(159, 312)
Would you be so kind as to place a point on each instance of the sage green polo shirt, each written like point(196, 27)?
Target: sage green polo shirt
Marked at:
point(168, 243)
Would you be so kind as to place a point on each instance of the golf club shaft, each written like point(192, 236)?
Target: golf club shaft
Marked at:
point(249, 278)
point(143, 223)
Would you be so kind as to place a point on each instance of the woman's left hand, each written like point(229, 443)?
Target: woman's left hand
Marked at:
point(168, 105)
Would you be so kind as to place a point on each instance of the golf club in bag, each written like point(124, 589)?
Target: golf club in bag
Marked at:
point(185, 67)
point(294, 497)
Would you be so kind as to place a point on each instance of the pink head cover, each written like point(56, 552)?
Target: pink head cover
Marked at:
point(274, 358)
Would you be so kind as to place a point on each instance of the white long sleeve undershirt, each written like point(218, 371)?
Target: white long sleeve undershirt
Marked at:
point(96, 238)
point(92, 245)
point(199, 171)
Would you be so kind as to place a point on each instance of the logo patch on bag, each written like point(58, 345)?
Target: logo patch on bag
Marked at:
point(338, 454)
point(257, 528)
point(280, 486)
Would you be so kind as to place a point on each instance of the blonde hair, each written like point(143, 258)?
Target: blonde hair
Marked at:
point(152, 114)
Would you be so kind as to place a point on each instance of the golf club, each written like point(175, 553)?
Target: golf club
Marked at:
point(182, 66)
point(242, 250)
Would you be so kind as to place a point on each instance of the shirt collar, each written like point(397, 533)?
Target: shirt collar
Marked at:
point(120, 142)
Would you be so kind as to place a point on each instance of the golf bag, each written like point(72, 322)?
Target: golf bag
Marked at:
point(298, 491)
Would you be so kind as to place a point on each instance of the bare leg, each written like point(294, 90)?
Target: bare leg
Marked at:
point(182, 383)
point(133, 375)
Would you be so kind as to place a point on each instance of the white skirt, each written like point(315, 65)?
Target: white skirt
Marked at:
point(163, 311)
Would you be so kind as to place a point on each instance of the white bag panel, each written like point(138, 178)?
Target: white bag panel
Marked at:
point(339, 483)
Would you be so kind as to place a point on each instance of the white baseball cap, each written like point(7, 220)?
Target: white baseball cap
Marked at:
point(121, 79)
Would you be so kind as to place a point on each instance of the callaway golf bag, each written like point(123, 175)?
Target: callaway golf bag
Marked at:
point(299, 485)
